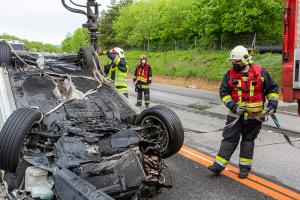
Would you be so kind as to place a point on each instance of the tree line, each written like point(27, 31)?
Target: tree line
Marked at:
point(208, 20)
point(132, 22)
point(32, 45)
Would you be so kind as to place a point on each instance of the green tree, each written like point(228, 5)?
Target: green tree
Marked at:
point(74, 41)
point(264, 16)
point(221, 17)
point(66, 43)
point(106, 32)
point(32, 45)
point(162, 20)
point(166, 21)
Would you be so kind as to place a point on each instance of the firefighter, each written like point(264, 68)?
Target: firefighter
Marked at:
point(243, 90)
point(143, 78)
point(117, 69)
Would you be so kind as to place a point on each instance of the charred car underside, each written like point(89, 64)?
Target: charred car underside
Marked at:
point(72, 135)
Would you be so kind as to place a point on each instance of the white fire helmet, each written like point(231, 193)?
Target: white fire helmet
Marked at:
point(119, 51)
point(240, 53)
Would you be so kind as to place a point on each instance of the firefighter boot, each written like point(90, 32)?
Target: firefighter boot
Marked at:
point(138, 104)
point(244, 171)
point(216, 168)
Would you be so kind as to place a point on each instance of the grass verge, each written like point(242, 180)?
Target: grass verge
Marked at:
point(195, 64)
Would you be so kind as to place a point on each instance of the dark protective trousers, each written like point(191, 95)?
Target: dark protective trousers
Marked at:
point(126, 95)
point(248, 129)
point(140, 96)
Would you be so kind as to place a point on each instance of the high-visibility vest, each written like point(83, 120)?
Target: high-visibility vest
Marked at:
point(142, 73)
point(120, 79)
point(248, 91)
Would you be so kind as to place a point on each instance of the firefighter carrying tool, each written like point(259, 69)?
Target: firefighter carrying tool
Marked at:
point(143, 78)
point(243, 90)
point(117, 69)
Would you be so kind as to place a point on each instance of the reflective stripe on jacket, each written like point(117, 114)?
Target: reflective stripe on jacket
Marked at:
point(248, 91)
point(143, 74)
point(119, 77)
point(231, 92)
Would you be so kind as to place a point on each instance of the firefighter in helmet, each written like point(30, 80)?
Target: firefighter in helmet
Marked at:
point(117, 69)
point(244, 90)
point(143, 78)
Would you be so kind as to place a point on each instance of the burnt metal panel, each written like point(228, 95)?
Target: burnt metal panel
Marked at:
point(72, 152)
point(5, 51)
point(126, 164)
point(70, 186)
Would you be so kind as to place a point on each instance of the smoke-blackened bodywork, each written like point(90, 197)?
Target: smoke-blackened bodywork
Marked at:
point(69, 134)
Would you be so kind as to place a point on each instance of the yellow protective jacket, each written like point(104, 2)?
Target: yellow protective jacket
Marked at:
point(117, 70)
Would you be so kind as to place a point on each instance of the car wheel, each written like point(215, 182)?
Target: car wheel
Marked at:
point(170, 134)
point(15, 180)
point(87, 58)
point(13, 134)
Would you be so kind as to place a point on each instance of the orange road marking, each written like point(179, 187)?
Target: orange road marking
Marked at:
point(270, 189)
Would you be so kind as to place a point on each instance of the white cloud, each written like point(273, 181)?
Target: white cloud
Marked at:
point(41, 20)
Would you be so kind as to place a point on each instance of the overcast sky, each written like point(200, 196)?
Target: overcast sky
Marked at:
point(40, 20)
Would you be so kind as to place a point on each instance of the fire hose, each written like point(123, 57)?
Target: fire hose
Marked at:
point(276, 122)
point(259, 118)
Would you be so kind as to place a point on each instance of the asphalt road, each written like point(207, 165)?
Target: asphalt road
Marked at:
point(275, 173)
point(192, 180)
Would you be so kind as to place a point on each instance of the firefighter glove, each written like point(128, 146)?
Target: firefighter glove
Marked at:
point(240, 110)
point(265, 113)
point(103, 53)
point(273, 104)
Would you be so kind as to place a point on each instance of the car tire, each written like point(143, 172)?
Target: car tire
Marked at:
point(170, 122)
point(12, 136)
point(14, 180)
point(87, 57)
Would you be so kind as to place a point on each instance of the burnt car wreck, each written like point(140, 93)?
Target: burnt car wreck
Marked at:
point(69, 134)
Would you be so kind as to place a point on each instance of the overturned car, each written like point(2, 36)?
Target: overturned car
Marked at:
point(68, 134)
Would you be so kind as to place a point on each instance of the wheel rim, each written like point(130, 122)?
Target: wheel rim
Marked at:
point(163, 137)
point(27, 140)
